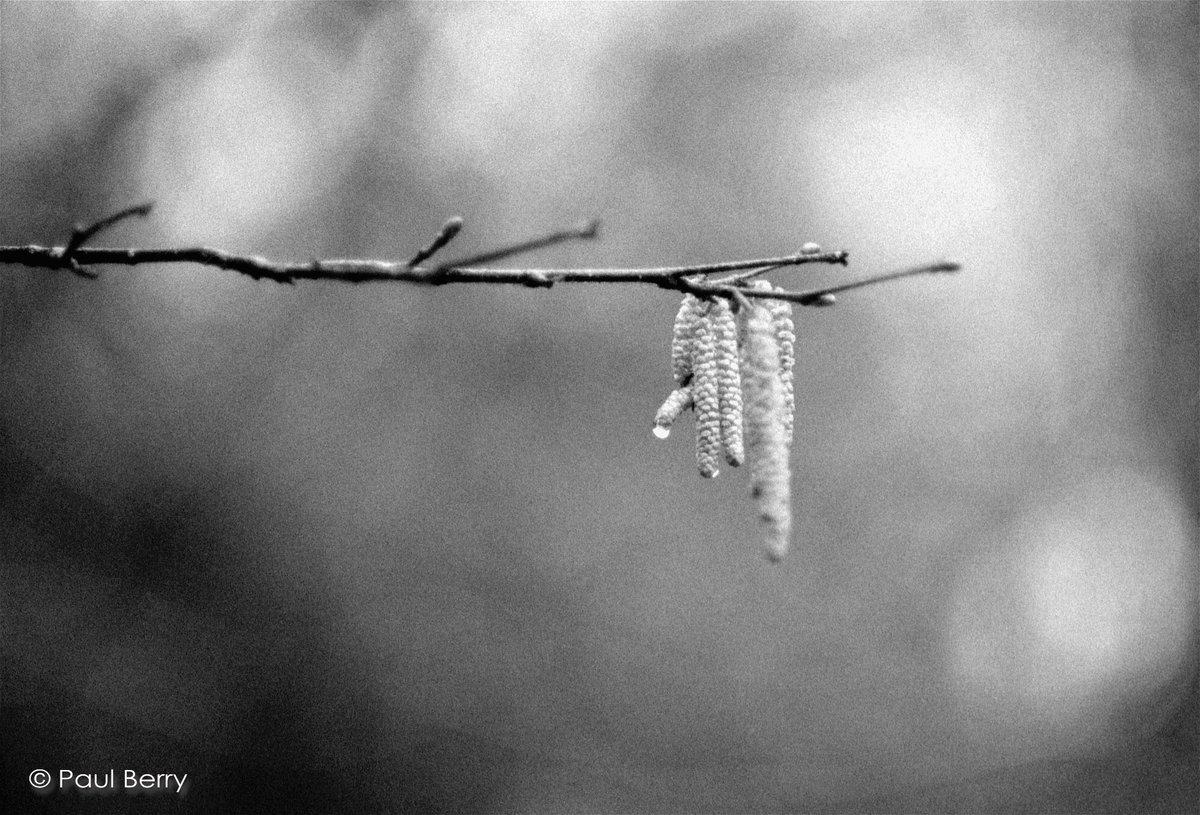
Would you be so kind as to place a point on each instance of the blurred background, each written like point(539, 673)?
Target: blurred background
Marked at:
point(383, 548)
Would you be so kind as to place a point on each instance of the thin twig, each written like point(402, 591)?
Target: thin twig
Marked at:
point(691, 279)
point(81, 234)
point(587, 231)
point(824, 296)
point(443, 237)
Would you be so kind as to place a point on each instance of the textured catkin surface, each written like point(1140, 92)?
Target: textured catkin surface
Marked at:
point(706, 390)
point(729, 383)
point(683, 338)
point(767, 439)
point(785, 338)
point(676, 403)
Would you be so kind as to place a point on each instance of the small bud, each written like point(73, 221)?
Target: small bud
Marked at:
point(823, 300)
point(810, 248)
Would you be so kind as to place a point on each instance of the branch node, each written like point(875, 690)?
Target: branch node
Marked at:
point(739, 300)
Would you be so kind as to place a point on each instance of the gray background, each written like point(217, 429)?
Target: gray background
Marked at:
point(334, 548)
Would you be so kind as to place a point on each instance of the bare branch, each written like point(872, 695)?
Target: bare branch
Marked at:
point(366, 271)
point(693, 279)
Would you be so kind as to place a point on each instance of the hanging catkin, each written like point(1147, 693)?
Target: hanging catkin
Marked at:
point(767, 440)
point(785, 336)
point(706, 394)
point(676, 403)
point(683, 338)
point(729, 382)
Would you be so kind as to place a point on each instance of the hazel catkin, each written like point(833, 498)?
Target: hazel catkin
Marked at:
point(785, 337)
point(683, 338)
point(706, 394)
point(676, 403)
point(768, 444)
point(729, 381)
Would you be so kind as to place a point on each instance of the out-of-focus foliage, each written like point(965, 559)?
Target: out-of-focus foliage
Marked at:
point(338, 548)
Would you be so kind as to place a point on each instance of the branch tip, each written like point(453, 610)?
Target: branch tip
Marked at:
point(821, 300)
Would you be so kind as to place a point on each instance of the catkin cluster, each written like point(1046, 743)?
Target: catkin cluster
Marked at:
point(736, 373)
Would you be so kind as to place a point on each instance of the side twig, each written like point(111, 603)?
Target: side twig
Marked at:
point(82, 234)
point(443, 237)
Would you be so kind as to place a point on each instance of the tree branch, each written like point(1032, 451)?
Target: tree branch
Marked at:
point(688, 279)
